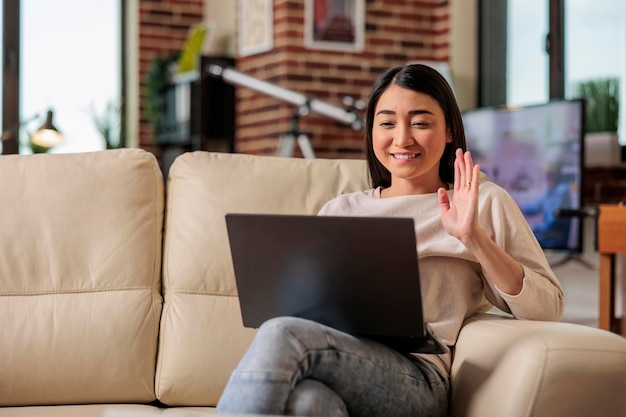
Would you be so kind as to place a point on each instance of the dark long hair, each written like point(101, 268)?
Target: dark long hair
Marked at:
point(426, 80)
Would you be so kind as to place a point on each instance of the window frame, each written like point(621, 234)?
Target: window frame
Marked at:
point(11, 74)
point(492, 26)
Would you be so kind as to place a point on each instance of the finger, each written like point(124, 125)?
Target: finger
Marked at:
point(458, 170)
point(444, 200)
point(475, 178)
point(476, 174)
point(469, 165)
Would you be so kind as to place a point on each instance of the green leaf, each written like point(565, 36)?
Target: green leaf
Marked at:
point(601, 104)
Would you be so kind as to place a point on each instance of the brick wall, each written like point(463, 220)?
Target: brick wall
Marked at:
point(396, 31)
point(163, 26)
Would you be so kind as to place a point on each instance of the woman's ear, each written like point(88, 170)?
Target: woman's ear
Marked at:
point(449, 137)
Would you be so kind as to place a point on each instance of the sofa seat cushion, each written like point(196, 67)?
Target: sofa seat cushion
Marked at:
point(519, 368)
point(202, 336)
point(91, 410)
point(79, 277)
point(105, 410)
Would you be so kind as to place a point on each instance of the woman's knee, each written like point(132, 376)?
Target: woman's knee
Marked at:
point(286, 323)
point(282, 328)
point(313, 398)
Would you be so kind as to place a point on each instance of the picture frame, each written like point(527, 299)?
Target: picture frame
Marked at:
point(255, 26)
point(334, 25)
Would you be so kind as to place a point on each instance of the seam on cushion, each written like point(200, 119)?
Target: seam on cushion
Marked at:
point(168, 194)
point(160, 352)
point(194, 292)
point(156, 270)
point(62, 292)
point(167, 224)
point(156, 321)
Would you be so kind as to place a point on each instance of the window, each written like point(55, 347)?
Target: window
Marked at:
point(70, 62)
point(527, 65)
point(534, 50)
point(595, 46)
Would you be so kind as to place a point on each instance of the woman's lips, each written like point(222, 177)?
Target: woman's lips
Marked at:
point(405, 156)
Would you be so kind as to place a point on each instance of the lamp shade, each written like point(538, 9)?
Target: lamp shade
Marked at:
point(47, 135)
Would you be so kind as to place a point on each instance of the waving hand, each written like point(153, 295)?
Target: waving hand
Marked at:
point(460, 216)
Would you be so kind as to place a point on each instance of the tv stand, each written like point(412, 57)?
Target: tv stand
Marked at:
point(573, 257)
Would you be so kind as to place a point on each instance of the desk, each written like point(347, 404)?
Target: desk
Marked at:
point(611, 240)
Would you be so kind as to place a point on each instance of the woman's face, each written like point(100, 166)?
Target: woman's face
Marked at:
point(409, 135)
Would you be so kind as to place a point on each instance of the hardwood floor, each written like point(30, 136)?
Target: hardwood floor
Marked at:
point(580, 282)
point(581, 293)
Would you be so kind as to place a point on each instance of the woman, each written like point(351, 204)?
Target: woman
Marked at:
point(471, 245)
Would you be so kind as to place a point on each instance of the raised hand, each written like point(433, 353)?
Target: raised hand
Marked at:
point(460, 216)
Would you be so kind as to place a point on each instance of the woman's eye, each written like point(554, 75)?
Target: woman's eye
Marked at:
point(420, 124)
point(385, 124)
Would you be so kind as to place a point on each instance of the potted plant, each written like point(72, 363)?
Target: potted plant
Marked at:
point(158, 77)
point(601, 120)
point(109, 124)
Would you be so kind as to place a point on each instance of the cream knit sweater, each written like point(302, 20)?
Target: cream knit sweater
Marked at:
point(453, 283)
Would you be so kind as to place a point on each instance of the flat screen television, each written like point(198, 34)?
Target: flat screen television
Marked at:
point(536, 153)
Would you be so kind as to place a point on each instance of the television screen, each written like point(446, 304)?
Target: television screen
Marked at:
point(536, 154)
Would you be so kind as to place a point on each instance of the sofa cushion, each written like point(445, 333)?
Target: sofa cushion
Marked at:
point(202, 336)
point(79, 277)
point(519, 368)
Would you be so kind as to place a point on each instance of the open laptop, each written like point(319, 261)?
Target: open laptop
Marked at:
point(357, 274)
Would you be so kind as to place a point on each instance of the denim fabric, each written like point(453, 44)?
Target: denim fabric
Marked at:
point(299, 367)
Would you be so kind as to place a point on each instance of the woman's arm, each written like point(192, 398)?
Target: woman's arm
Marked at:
point(520, 275)
point(460, 220)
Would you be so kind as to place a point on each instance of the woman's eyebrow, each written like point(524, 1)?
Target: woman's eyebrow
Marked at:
point(420, 112)
point(410, 112)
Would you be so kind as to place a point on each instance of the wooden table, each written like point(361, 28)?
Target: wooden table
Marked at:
point(611, 241)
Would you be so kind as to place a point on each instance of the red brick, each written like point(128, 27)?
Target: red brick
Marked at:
point(395, 31)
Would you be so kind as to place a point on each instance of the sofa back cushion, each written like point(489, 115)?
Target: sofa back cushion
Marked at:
point(79, 277)
point(202, 336)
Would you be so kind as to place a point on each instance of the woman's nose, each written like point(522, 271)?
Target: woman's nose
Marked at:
point(403, 136)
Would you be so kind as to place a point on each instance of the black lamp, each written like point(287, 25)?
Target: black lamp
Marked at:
point(47, 136)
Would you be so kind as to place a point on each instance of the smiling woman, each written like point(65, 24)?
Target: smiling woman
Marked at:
point(70, 60)
point(409, 135)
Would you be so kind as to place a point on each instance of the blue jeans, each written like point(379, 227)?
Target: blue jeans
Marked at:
point(299, 367)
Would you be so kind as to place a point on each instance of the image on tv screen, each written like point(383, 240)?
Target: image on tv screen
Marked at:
point(536, 154)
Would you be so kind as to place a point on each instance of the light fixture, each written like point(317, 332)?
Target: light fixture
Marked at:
point(47, 136)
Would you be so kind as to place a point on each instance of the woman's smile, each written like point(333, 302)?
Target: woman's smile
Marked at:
point(405, 157)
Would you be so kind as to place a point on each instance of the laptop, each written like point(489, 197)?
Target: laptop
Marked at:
point(356, 274)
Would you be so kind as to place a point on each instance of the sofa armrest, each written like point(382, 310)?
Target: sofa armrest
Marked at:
point(507, 367)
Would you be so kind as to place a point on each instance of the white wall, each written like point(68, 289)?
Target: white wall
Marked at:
point(224, 15)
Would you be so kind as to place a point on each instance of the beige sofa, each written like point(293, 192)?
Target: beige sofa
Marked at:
point(117, 296)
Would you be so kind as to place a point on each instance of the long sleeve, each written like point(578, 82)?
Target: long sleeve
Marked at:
point(453, 283)
point(542, 295)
